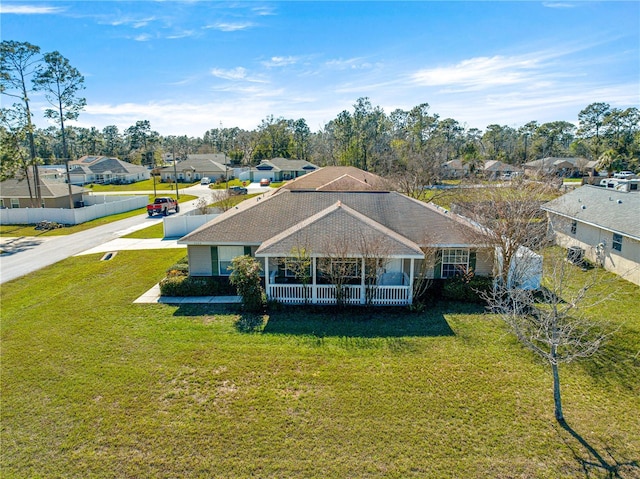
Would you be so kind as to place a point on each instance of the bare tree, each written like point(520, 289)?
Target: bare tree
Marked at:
point(552, 322)
point(507, 218)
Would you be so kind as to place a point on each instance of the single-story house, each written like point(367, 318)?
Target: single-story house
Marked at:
point(197, 167)
point(561, 167)
point(455, 169)
point(105, 170)
point(601, 224)
point(14, 193)
point(495, 169)
point(281, 169)
point(360, 247)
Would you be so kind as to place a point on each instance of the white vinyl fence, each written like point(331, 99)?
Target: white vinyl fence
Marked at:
point(177, 226)
point(95, 206)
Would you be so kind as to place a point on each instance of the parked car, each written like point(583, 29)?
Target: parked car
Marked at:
point(265, 182)
point(205, 180)
point(237, 190)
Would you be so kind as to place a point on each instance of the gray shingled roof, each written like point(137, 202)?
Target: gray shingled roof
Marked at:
point(287, 164)
point(615, 211)
point(340, 229)
point(351, 179)
point(103, 164)
point(18, 188)
point(421, 223)
point(201, 165)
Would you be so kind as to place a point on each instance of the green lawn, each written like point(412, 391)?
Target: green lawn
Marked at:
point(146, 185)
point(95, 386)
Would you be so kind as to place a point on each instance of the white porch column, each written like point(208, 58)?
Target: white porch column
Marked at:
point(363, 286)
point(411, 274)
point(266, 276)
point(314, 291)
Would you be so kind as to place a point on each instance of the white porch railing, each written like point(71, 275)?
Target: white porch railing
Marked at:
point(326, 294)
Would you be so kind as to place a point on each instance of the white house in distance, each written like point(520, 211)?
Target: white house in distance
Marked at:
point(603, 223)
point(378, 241)
point(105, 170)
point(213, 166)
point(281, 169)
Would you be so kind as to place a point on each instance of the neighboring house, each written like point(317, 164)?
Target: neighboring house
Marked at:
point(105, 170)
point(495, 169)
point(14, 193)
point(197, 167)
point(281, 169)
point(560, 167)
point(603, 223)
point(455, 169)
point(366, 247)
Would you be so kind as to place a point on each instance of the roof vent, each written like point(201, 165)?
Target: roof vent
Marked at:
point(584, 207)
point(619, 202)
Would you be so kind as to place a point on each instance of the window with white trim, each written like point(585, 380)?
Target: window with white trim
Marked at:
point(454, 261)
point(15, 203)
point(617, 242)
point(226, 255)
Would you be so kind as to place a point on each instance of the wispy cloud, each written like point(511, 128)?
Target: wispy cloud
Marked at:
point(230, 26)
point(349, 64)
point(559, 5)
point(29, 9)
point(263, 11)
point(484, 72)
point(280, 61)
point(235, 74)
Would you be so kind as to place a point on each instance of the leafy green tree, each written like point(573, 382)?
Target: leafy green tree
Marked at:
point(61, 84)
point(19, 62)
point(591, 120)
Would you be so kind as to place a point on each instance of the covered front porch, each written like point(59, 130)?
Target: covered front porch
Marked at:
point(360, 284)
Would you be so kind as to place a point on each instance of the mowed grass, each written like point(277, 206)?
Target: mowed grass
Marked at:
point(96, 386)
point(29, 230)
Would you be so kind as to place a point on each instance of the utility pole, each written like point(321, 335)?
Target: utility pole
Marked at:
point(175, 172)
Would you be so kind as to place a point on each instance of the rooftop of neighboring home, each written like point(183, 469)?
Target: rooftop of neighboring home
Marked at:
point(286, 164)
point(201, 163)
point(604, 208)
point(496, 166)
point(552, 162)
point(18, 188)
point(103, 164)
point(338, 178)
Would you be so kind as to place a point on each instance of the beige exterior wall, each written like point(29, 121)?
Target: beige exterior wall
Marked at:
point(625, 263)
point(200, 260)
point(60, 202)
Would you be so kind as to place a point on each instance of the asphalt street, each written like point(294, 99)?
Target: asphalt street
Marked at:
point(28, 254)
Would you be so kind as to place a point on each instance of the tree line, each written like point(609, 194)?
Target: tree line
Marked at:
point(403, 143)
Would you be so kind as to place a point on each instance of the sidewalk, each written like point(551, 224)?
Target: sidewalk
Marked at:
point(121, 244)
point(153, 297)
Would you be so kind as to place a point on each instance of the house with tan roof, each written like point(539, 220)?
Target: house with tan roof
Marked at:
point(18, 193)
point(360, 246)
point(196, 167)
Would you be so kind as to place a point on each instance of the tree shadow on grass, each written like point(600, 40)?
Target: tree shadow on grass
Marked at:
point(604, 464)
point(358, 322)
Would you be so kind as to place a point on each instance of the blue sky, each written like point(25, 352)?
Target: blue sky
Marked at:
point(194, 65)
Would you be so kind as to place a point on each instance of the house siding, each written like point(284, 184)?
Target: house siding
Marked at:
point(623, 263)
point(200, 261)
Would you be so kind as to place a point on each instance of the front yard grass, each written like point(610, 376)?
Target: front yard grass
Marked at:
point(96, 386)
point(145, 185)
